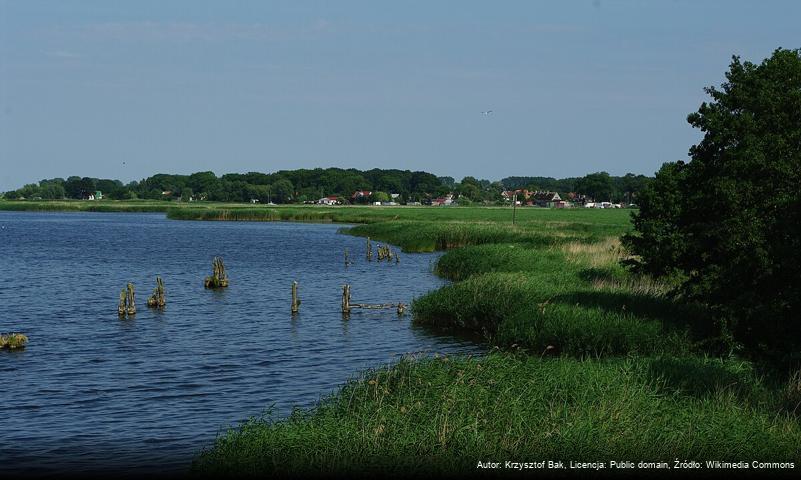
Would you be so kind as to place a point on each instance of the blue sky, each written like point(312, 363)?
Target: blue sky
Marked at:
point(234, 86)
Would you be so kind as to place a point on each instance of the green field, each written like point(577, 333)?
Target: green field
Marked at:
point(587, 362)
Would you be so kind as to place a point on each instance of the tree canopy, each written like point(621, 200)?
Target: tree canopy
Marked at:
point(293, 186)
point(729, 221)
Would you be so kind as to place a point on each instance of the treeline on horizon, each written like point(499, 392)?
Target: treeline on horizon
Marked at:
point(302, 185)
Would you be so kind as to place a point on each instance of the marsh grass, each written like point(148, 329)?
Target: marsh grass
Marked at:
point(431, 416)
point(572, 298)
point(605, 364)
point(86, 206)
point(791, 395)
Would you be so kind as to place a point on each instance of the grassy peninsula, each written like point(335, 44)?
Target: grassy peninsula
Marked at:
point(589, 362)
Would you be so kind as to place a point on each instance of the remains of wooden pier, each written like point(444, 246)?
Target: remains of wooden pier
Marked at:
point(384, 252)
point(158, 299)
point(369, 250)
point(295, 300)
point(127, 305)
point(12, 341)
point(347, 306)
point(219, 278)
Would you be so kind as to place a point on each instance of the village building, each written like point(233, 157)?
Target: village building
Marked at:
point(520, 195)
point(548, 199)
point(360, 196)
point(443, 201)
point(98, 195)
point(329, 200)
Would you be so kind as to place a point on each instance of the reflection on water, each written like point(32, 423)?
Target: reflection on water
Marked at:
point(93, 391)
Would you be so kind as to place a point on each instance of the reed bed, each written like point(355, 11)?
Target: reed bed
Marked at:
point(84, 206)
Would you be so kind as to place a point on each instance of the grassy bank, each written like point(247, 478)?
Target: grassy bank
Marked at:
point(85, 206)
point(590, 362)
point(444, 415)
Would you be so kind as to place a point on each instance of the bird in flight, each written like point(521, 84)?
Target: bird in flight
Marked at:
point(486, 113)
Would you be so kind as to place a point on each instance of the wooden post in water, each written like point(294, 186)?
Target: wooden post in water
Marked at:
point(12, 341)
point(295, 299)
point(347, 258)
point(158, 299)
point(369, 250)
point(130, 300)
point(346, 299)
point(121, 307)
point(401, 308)
point(218, 277)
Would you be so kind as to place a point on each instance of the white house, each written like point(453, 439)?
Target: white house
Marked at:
point(330, 200)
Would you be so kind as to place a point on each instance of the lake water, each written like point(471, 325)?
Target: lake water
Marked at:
point(92, 391)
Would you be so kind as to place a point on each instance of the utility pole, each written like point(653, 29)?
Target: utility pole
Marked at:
point(514, 207)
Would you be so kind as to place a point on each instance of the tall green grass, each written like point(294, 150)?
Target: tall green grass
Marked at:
point(536, 312)
point(607, 364)
point(441, 416)
point(85, 206)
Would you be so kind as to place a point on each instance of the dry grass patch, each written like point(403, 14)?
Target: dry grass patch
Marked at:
point(597, 254)
point(641, 285)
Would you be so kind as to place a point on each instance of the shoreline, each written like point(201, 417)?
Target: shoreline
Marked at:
point(553, 303)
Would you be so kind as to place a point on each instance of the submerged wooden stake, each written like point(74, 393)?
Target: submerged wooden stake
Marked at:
point(346, 299)
point(121, 306)
point(130, 300)
point(218, 278)
point(369, 250)
point(158, 299)
point(295, 299)
point(347, 258)
point(347, 306)
point(127, 305)
point(12, 341)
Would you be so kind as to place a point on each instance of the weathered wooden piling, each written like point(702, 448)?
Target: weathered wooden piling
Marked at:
point(158, 299)
point(12, 341)
point(384, 252)
point(295, 300)
point(347, 258)
point(347, 306)
point(218, 278)
point(121, 306)
point(346, 299)
point(130, 300)
point(369, 250)
point(127, 305)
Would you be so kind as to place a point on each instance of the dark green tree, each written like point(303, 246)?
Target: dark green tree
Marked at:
point(282, 191)
point(598, 186)
point(732, 224)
